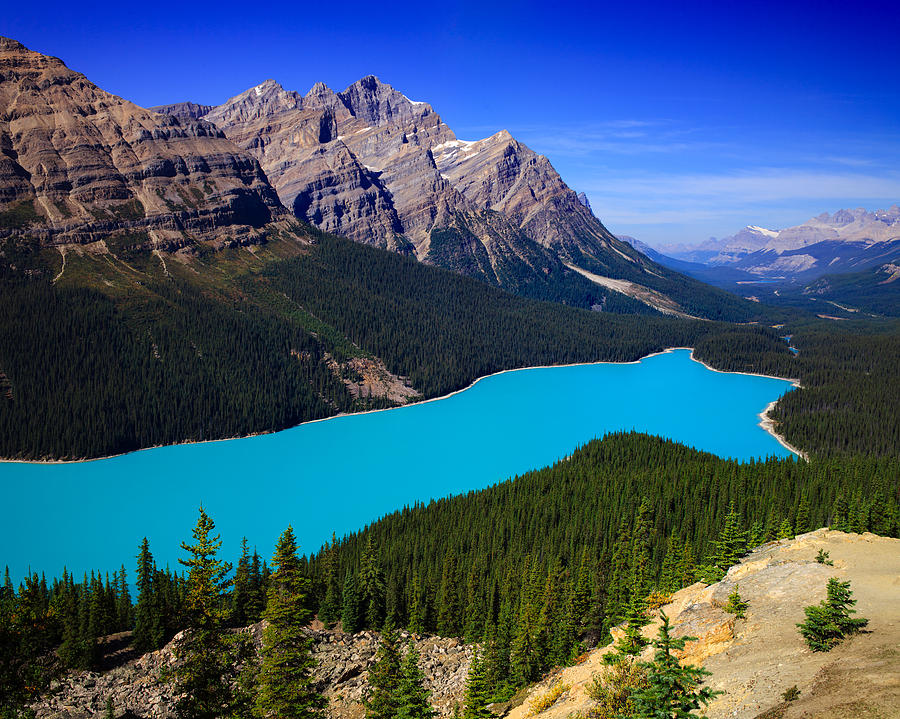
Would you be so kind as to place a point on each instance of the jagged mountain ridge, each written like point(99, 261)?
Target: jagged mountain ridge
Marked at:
point(78, 165)
point(370, 164)
point(847, 241)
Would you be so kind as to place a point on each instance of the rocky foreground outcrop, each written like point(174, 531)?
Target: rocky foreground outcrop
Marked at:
point(754, 660)
point(139, 687)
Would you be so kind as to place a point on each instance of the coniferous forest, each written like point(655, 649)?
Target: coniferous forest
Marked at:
point(86, 373)
point(534, 568)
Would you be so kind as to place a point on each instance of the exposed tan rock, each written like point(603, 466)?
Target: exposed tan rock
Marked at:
point(754, 660)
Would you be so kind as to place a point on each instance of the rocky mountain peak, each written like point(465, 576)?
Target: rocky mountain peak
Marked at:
point(7, 43)
point(377, 103)
point(266, 99)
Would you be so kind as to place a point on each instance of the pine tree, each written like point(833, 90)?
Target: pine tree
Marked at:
point(840, 511)
point(736, 605)
point(372, 584)
point(478, 693)
point(146, 621)
point(381, 700)
point(350, 609)
point(757, 535)
point(417, 606)
point(124, 610)
point(523, 651)
point(802, 522)
point(785, 531)
point(256, 590)
point(828, 622)
point(632, 641)
point(640, 551)
point(240, 593)
point(732, 542)
point(673, 691)
point(619, 586)
point(412, 696)
point(202, 674)
point(285, 687)
point(330, 611)
point(497, 659)
point(581, 596)
point(669, 581)
point(448, 611)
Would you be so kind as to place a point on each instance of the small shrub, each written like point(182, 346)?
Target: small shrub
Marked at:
point(547, 699)
point(791, 694)
point(656, 600)
point(736, 605)
point(828, 622)
point(822, 558)
point(614, 688)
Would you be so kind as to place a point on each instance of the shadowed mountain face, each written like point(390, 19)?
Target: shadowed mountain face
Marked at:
point(381, 169)
point(77, 164)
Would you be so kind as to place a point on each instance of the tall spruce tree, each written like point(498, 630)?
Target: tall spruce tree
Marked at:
point(732, 542)
point(372, 584)
point(203, 672)
point(350, 605)
point(285, 686)
point(147, 634)
point(478, 692)
point(448, 609)
point(412, 696)
point(330, 610)
point(381, 699)
point(240, 592)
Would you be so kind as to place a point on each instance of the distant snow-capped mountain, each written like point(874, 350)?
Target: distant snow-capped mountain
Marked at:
point(847, 241)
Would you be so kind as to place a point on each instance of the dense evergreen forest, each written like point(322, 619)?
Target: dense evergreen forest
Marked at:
point(533, 567)
point(98, 365)
point(850, 377)
point(90, 368)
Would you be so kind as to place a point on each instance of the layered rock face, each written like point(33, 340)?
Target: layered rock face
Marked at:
point(77, 163)
point(370, 164)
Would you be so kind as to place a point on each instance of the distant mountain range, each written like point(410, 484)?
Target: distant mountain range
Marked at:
point(847, 241)
point(847, 261)
point(81, 167)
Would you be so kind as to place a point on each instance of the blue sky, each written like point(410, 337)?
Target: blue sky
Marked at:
point(679, 120)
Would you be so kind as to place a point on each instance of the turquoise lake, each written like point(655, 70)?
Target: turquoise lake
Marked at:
point(342, 473)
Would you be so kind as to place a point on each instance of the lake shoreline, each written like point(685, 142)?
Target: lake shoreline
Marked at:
point(765, 422)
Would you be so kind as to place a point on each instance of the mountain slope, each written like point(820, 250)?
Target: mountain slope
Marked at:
point(370, 164)
point(80, 165)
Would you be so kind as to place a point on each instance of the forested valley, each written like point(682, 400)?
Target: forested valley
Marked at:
point(91, 368)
